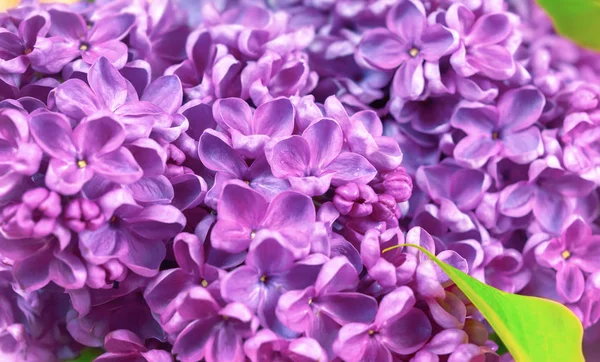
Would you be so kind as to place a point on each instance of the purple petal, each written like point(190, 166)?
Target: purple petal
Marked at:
point(118, 166)
point(408, 80)
point(67, 24)
point(395, 305)
point(520, 108)
point(260, 255)
point(407, 20)
point(407, 334)
point(570, 282)
point(233, 113)
point(50, 55)
point(243, 285)
point(226, 346)
point(165, 92)
point(494, 61)
point(337, 275)
point(475, 119)
point(437, 42)
point(294, 311)
point(98, 136)
point(525, 146)
point(217, 155)
point(274, 118)
point(348, 307)
point(352, 341)
point(323, 153)
point(551, 210)
point(53, 134)
point(113, 50)
point(516, 200)
point(75, 99)
point(111, 28)
point(351, 167)
point(381, 49)
point(289, 157)
point(474, 151)
point(107, 83)
point(489, 29)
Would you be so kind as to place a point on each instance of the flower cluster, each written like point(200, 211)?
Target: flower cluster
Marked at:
point(220, 183)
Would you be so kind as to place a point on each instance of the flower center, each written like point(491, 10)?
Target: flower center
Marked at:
point(495, 135)
point(310, 301)
point(252, 234)
point(84, 46)
point(566, 254)
point(82, 163)
point(27, 51)
point(371, 332)
point(413, 52)
point(263, 279)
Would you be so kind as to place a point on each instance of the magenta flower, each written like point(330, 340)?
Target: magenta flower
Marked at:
point(134, 235)
point(575, 252)
point(507, 130)
point(406, 44)
point(124, 345)
point(18, 50)
point(242, 212)
point(19, 157)
point(263, 279)
point(482, 48)
point(267, 346)
point(72, 38)
point(398, 328)
point(250, 132)
point(320, 310)
point(36, 216)
point(92, 148)
point(214, 333)
point(311, 165)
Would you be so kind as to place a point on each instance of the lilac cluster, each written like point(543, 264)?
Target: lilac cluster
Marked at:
point(219, 181)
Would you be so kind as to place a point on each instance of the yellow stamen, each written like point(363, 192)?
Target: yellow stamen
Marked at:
point(253, 235)
point(27, 51)
point(204, 283)
point(495, 135)
point(263, 278)
point(81, 163)
point(371, 332)
point(413, 52)
point(566, 254)
point(83, 47)
point(310, 301)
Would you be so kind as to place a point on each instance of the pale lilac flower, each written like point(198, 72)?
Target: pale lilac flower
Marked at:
point(507, 130)
point(125, 345)
point(406, 44)
point(311, 165)
point(571, 254)
point(242, 212)
point(266, 346)
point(92, 148)
point(398, 328)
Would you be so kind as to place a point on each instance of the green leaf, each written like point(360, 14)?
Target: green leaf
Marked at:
point(533, 329)
point(501, 347)
point(576, 19)
point(88, 355)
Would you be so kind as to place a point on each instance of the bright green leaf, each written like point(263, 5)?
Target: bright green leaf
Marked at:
point(87, 355)
point(533, 329)
point(576, 19)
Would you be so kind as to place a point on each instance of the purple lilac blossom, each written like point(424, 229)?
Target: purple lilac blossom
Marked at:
point(218, 180)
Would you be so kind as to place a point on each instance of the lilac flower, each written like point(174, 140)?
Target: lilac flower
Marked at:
point(134, 235)
point(263, 279)
point(546, 195)
point(242, 212)
point(398, 328)
point(571, 254)
point(93, 147)
point(126, 345)
point(267, 346)
point(20, 157)
point(311, 165)
point(193, 270)
point(16, 49)
point(72, 38)
point(354, 199)
point(214, 333)
point(482, 46)
point(407, 43)
point(320, 310)
point(81, 214)
point(250, 132)
point(507, 130)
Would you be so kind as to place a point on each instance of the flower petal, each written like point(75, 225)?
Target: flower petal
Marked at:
point(289, 157)
point(474, 151)
point(381, 49)
point(570, 282)
point(76, 100)
point(165, 92)
point(52, 133)
point(520, 108)
point(107, 83)
point(217, 155)
point(274, 118)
